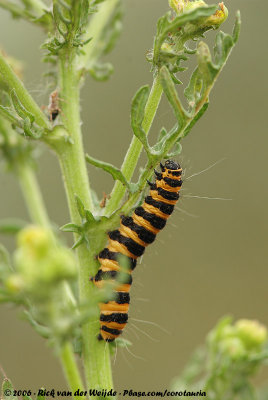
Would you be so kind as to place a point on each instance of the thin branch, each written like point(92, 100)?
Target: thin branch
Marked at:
point(71, 371)
point(136, 147)
point(14, 9)
point(98, 23)
point(13, 82)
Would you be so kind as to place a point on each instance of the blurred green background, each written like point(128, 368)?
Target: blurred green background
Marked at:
point(211, 259)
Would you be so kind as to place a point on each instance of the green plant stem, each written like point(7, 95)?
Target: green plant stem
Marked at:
point(36, 5)
point(72, 160)
point(95, 29)
point(13, 8)
point(135, 148)
point(13, 82)
point(33, 197)
point(71, 371)
point(38, 214)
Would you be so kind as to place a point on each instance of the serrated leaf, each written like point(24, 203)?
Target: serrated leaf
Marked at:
point(168, 143)
point(162, 134)
point(29, 130)
point(70, 228)
point(20, 109)
point(25, 397)
point(159, 147)
point(175, 80)
point(7, 390)
point(237, 27)
point(167, 25)
point(177, 149)
point(190, 91)
point(41, 397)
point(121, 342)
point(172, 96)
point(83, 12)
point(137, 114)
point(80, 206)
point(11, 226)
point(101, 72)
point(207, 70)
point(112, 170)
point(89, 216)
point(7, 114)
point(223, 46)
point(4, 258)
point(60, 20)
point(78, 242)
point(42, 330)
point(195, 119)
point(138, 105)
point(113, 29)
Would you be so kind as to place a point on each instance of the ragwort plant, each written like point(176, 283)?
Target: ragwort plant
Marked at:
point(43, 275)
point(225, 365)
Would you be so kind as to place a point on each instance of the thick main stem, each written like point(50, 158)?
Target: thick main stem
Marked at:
point(135, 148)
point(72, 159)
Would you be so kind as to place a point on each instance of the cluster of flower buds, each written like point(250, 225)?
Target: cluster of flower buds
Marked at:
point(40, 264)
point(245, 340)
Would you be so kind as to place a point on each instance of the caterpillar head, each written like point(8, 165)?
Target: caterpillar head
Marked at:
point(172, 165)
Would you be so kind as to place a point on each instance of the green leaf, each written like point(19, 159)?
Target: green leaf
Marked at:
point(7, 114)
point(89, 216)
point(191, 89)
point(195, 119)
point(4, 258)
point(71, 228)
point(60, 19)
point(177, 149)
point(83, 212)
point(80, 206)
point(237, 27)
point(25, 397)
point(119, 342)
point(20, 109)
point(137, 114)
point(42, 330)
point(101, 72)
point(207, 70)
point(83, 13)
point(138, 105)
point(7, 390)
point(172, 96)
point(113, 29)
point(11, 226)
point(167, 25)
point(115, 172)
point(168, 143)
point(41, 397)
point(30, 131)
point(78, 242)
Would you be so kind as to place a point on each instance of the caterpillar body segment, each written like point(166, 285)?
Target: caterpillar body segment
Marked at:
point(128, 243)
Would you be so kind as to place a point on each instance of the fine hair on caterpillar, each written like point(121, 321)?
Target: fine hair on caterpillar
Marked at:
point(128, 243)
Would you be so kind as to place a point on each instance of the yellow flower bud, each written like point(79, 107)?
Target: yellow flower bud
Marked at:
point(251, 332)
point(35, 240)
point(233, 347)
point(14, 284)
point(219, 17)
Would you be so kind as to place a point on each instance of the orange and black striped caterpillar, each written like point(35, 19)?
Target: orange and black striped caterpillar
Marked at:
point(129, 241)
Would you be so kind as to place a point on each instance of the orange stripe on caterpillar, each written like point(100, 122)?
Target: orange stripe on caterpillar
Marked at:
point(129, 242)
